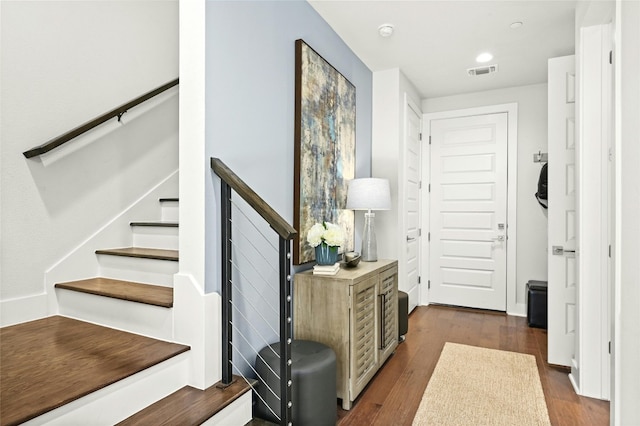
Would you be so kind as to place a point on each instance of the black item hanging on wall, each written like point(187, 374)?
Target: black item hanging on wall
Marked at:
point(541, 195)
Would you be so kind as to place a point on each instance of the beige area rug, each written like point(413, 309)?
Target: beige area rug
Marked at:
point(478, 386)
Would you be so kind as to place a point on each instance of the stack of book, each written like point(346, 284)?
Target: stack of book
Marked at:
point(326, 269)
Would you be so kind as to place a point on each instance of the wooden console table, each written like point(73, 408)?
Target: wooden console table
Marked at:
point(354, 312)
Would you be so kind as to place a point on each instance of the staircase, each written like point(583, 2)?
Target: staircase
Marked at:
point(108, 356)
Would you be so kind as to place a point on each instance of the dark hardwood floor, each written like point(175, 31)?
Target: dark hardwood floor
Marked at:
point(394, 394)
point(47, 363)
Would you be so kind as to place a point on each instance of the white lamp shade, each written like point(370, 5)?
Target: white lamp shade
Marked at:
point(369, 194)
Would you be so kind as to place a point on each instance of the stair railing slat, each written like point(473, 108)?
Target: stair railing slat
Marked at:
point(285, 331)
point(227, 331)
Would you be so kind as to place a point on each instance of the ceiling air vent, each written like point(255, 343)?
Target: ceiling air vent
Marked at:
point(487, 69)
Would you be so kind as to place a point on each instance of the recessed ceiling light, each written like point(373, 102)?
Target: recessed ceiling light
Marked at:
point(484, 57)
point(515, 25)
point(385, 30)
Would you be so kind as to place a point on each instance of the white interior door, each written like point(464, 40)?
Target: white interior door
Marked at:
point(561, 305)
point(468, 229)
point(412, 205)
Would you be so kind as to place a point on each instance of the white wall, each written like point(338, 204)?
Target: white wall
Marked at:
point(64, 63)
point(531, 262)
point(626, 345)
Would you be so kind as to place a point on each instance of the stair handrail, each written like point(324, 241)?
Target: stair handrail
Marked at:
point(230, 181)
point(116, 112)
point(272, 217)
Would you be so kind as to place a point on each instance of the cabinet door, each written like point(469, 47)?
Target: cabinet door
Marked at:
point(364, 354)
point(388, 295)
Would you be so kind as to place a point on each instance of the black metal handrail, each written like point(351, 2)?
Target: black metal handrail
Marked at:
point(116, 112)
point(230, 181)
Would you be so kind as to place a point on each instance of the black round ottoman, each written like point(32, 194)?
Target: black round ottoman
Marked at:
point(313, 374)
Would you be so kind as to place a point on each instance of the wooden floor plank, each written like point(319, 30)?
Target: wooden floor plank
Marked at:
point(124, 290)
point(50, 362)
point(393, 396)
point(147, 253)
point(188, 406)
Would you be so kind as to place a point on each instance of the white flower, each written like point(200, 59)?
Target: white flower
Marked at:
point(333, 236)
point(314, 236)
point(325, 232)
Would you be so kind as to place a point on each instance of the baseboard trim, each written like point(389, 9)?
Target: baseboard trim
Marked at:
point(16, 311)
point(518, 310)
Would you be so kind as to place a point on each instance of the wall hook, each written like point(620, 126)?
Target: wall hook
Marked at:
point(540, 157)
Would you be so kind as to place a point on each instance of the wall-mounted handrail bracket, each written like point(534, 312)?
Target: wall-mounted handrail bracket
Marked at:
point(120, 115)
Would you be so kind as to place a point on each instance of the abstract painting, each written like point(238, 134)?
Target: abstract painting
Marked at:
point(325, 149)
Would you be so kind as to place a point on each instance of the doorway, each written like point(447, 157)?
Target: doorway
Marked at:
point(471, 207)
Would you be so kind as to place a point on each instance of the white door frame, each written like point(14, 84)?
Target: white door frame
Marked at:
point(591, 373)
point(513, 308)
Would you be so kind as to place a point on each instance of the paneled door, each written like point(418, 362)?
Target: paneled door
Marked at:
point(468, 213)
point(410, 283)
point(562, 212)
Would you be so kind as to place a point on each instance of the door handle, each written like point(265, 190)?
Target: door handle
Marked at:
point(560, 251)
point(410, 238)
point(498, 238)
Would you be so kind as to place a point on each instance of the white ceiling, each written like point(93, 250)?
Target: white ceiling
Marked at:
point(436, 41)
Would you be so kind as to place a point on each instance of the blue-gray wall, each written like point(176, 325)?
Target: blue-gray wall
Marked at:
point(250, 106)
point(250, 94)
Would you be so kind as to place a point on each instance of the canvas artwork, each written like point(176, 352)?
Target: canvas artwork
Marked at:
point(325, 145)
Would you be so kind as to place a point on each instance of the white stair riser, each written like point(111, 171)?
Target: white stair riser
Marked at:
point(160, 237)
point(139, 318)
point(170, 211)
point(122, 399)
point(147, 271)
point(237, 413)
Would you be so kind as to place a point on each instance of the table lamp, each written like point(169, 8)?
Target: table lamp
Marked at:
point(369, 194)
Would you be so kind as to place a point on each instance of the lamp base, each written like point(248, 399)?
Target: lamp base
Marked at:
point(369, 245)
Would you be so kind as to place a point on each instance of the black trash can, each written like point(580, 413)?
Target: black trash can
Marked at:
point(537, 304)
point(403, 315)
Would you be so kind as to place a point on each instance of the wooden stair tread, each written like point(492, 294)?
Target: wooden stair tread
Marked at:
point(189, 406)
point(156, 223)
point(47, 363)
point(125, 290)
point(169, 200)
point(147, 253)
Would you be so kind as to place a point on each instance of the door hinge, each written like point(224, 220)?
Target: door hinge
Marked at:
point(429, 236)
point(429, 284)
point(611, 57)
point(420, 185)
point(418, 279)
point(429, 188)
point(419, 232)
point(609, 250)
point(420, 136)
point(609, 346)
point(429, 139)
